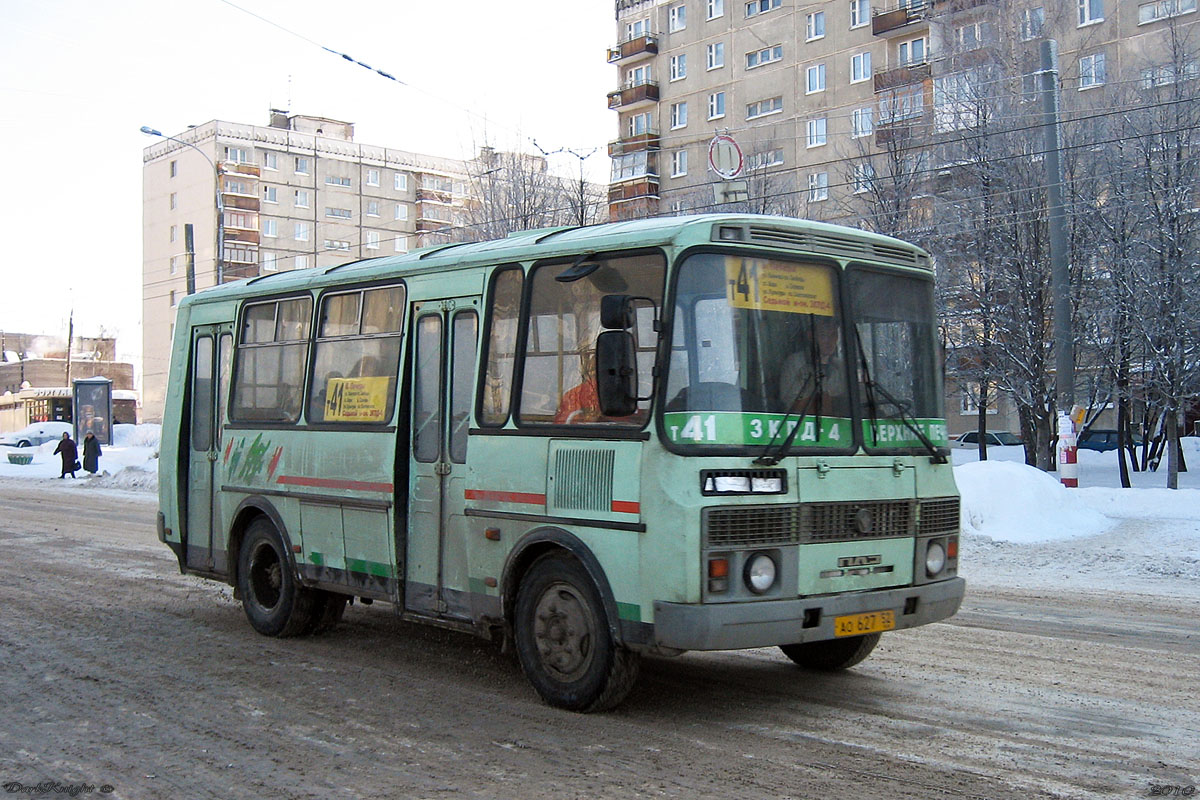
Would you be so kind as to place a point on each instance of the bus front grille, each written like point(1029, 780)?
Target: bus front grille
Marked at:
point(939, 515)
point(767, 526)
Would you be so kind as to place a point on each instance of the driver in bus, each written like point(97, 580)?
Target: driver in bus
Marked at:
point(801, 374)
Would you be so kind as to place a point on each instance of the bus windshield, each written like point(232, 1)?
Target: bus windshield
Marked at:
point(760, 358)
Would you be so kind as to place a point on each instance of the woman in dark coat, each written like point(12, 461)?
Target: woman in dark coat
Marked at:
point(91, 453)
point(70, 454)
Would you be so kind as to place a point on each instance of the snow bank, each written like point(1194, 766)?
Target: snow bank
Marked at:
point(131, 462)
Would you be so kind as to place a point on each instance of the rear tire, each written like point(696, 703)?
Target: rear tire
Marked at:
point(832, 654)
point(273, 601)
point(563, 640)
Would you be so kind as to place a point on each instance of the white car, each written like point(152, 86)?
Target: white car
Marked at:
point(993, 439)
point(35, 434)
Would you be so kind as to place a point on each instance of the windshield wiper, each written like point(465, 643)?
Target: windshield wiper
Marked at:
point(817, 377)
point(871, 387)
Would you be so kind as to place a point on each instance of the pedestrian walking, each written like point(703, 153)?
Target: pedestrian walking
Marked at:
point(91, 453)
point(70, 455)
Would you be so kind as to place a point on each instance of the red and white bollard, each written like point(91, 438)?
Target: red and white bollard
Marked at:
point(1068, 468)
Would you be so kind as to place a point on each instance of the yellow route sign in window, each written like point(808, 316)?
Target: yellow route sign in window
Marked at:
point(356, 399)
point(764, 285)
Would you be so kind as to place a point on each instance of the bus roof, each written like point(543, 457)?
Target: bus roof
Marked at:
point(680, 231)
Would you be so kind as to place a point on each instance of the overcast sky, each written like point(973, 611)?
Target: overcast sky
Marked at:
point(78, 79)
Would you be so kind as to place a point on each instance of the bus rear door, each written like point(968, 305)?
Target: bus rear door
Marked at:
point(443, 382)
point(212, 347)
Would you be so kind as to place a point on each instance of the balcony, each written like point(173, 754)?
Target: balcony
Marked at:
point(635, 95)
point(634, 49)
point(903, 75)
point(239, 201)
point(955, 6)
point(648, 140)
point(434, 195)
point(639, 188)
point(893, 21)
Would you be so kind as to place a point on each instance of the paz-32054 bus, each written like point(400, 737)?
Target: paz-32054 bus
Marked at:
point(686, 433)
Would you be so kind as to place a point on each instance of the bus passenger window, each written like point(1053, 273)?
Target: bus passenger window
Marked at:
point(357, 356)
point(501, 346)
point(268, 384)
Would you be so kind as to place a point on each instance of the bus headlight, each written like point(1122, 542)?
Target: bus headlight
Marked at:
point(935, 558)
point(760, 573)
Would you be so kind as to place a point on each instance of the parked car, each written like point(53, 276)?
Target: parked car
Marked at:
point(35, 434)
point(992, 438)
point(1101, 440)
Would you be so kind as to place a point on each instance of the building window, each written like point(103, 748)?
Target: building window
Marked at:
point(638, 76)
point(174, 169)
point(240, 254)
point(716, 105)
point(271, 194)
point(270, 161)
point(764, 56)
point(679, 163)
point(911, 52)
point(372, 208)
point(1169, 73)
point(302, 165)
point(818, 187)
point(638, 124)
point(174, 264)
point(372, 240)
point(762, 108)
point(400, 243)
point(401, 211)
point(678, 67)
point(637, 28)
point(897, 104)
point(817, 132)
point(173, 201)
point(756, 7)
point(860, 67)
point(862, 122)
point(630, 165)
point(338, 213)
point(270, 227)
point(1033, 21)
point(238, 154)
point(1091, 11)
point(1091, 71)
point(372, 177)
point(234, 186)
point(971, 37)
point(241, 219)
point(860, 13)
point(301, 198)
point(1149, 12)
point(301, 234)
point(172, 298)
point(678, 115)
point(816, 79)
point(174, 232)
point(770, 158)
point(862, 176)
point(337, 180)
point(815, 26)
point(301, 262)
point(716, 55)
point(677, 19)
point(270, 261)
point(337, 244)
point(401, 182)
point(716, 8)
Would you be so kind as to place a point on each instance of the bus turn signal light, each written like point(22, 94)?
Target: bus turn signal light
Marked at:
point(718, 575)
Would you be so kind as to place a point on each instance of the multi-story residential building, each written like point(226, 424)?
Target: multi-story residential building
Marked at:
point(297, 193)
point(808, 89)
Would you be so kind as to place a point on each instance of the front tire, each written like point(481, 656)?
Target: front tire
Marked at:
point(274, 603)
point(832, 654)
point(563, 640)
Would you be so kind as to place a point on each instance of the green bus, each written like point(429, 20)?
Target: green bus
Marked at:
point(700, 432)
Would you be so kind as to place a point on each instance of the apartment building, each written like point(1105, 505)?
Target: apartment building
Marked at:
point(296, 193)
point(809, 90)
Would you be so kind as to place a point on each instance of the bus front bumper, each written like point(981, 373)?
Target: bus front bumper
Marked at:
point(733, 626)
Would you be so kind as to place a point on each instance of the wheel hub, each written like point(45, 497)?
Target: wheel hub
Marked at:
point(564, 632)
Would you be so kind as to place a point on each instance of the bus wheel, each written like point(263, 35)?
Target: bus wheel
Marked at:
point(271, 598)
point(563, 640)
point(831, 654)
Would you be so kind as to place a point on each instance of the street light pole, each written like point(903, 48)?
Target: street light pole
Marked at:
point(220, 248)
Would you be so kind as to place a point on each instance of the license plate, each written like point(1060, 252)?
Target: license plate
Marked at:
point(859, 624)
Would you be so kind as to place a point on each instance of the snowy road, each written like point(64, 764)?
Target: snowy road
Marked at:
point(119, 671)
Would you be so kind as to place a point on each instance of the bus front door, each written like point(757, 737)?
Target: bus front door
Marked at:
point(212, 347)
point(443, 383)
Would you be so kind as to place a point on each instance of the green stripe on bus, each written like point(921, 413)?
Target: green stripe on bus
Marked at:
point(629, 611)
point(317, 558)
point(368, 567)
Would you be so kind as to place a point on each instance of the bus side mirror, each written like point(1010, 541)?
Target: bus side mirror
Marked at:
point(616, 373)
point(616, 311)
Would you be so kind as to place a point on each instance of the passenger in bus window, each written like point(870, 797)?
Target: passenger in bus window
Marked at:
point(581, 403)
point(816, 367)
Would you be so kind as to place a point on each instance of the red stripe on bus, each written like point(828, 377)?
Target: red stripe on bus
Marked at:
point(626, 507)
point(327, 483)
point(507, 497)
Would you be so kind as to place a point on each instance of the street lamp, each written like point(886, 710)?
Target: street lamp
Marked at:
point(220, 249)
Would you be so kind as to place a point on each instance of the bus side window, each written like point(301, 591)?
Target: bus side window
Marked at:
point(271, 361)
point(501, 354)
point(464, 332)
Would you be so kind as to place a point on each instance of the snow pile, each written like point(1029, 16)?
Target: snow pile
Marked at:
point(131, 462)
